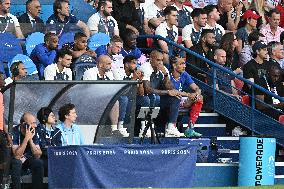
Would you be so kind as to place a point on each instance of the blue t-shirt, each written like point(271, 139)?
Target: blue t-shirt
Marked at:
point(54, 23)
point(183, 83)
point(42, 57)
point(134, 52)
point(71, 136)
point(18, 139)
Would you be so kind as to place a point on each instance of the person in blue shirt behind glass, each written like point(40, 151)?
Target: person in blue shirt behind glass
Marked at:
point(48, 134)
point(71, 133)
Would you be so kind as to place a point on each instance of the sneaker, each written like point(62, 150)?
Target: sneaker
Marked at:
point(189, 132)
point(147, 135)
point(123, 132)
point(173, 133)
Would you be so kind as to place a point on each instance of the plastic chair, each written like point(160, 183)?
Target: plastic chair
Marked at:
point(29, 64)
point(97, 40)
point(67, 37)
point(33, 40)
point(9, 47)
point(81, 67)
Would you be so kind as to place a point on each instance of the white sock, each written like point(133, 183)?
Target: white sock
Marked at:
point(143, 125)
point(120, 125)
point(170, 126)
point(113, 127)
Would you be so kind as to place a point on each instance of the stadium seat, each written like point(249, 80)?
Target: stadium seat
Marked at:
point(97, 40)
point(33, 40)
point(281, 119)
point(29, 64)
point(81, 67)
point(9, 47)
point(67, 37)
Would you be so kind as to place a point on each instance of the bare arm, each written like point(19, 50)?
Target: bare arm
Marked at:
point(19, 33)
point(35, 149)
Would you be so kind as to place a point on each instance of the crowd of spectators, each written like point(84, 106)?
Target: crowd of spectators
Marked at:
point(245, 37)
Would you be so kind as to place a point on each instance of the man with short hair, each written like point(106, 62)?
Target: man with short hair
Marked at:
point(62, 21)
point(102, 21)
point(191, 33)
point(272, 31)
point(9, 22)
point(213, 16)
point(276, 54)
point(30, 21)
point(26, 152)
point(18, 72)
point(129, 39)
point(44, 54)
point(169, 30)
point(205, 47)
point(225, 9)
point(61, 69)
point(184, 12)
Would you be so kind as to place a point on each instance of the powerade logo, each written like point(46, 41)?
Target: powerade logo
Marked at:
point(258, 162)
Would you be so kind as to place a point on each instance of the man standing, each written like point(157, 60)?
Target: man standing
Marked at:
point(30, 21)
point(61, 20)
point(44, 54)
point(9, 22)
point(26, 152)
point(61, 70)
point(102, 21)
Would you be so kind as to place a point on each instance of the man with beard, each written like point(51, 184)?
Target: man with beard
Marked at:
point(60, 70)
point(183, 82)
point(191, 33)
point(113, 48)
point(102, 21)
point(44, 54)
point(169, 30)
point(129, 38)
point(62, 21)
point(274, 85)
point(9, 22)
point(30, 21)
point(205, 48)
point(183, 14)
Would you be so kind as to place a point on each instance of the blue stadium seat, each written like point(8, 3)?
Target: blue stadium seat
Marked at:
point(67, 37)
point(97, 40)
point(9, 47)
point(29, 64)
point(81, 67)
point(33, 40)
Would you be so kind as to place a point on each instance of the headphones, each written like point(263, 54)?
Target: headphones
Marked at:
point(43, 114)
point(15, 68)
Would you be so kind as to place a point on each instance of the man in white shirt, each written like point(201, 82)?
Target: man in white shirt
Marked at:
point(169, 30)
point(102, 21)
point(61, 70)
point(9, 22)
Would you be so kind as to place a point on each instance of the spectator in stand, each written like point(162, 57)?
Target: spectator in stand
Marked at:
point(280, 7)
point(154, 15)
point(18, 71)
point(276, 54)
point(205, 48)
point(183, 82)
point(102, 21)
point(30, 21)
point(261, 7)
point(169, 30)
point(225, 9)
point(126, 15)
point(212, 17)
point(71, 133)
point(236, 13)
point(229, 43)
point(157, 83)
point(246, 52)
point(250, 18)
point(61, 69)
point(272, 31)
point(26, 152)
point(62, 21)
point(256, 69)
point(44, 54)
point(9, 22)
point(184, 12)
point(274, 85)
point(191, 33)
point(49, 135)
point(129, 38)
point(282, 42)
point(79, 47)
point(141, 12)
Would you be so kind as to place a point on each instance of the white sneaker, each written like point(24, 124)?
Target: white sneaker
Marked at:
point(173, 132)
point(147, 135)
point(123, 132)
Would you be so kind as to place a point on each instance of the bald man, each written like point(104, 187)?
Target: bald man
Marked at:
point(26, 152)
